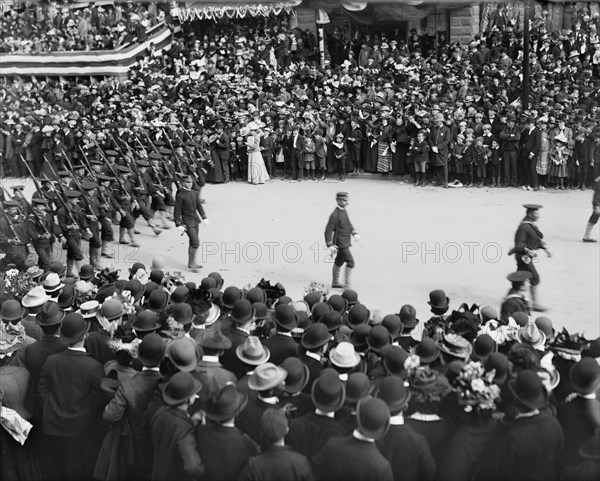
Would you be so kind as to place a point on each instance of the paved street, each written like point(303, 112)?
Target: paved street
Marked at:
point(413, 240)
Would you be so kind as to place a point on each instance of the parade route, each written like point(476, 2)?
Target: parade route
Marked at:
point(413, 240)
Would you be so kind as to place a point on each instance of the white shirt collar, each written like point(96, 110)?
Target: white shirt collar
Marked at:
point(157, 369)
point(210, 358)
point(587, 396)
point(269, 400)
point(313, 355)
point(343, 377)
point(361, 437)
point(318, 412)
point(397, 420)
point(80, 349)
point(288, 334)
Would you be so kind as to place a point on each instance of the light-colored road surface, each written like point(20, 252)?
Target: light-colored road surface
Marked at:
point(413, 240)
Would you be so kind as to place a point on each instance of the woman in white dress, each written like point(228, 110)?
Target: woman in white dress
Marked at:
point(257, 172)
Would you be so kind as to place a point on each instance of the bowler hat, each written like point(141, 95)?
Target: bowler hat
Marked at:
point(408, 317)
point(285, 317)
point(252, 351)
point(358, 314)
point(351, 296)
point(358, 386)
point(528, 389)
point(136, 288)
point(585, 376)
point(65, 299)
point(315, 336)
point(427, 350)
point(146, 321)
point(50, 315)
point(484, 345)
point(498, 362)
point(297, 377)
point(183, 313)
point(11, 310)
point(158, 300)
point(393, 392)
point(230, 295)
point(212, 339)
point(359, 335)
point(332, 320)
point(111, 309)
point(320, 308)
point(181, 387)
point(312, 298)
point(344, 356)
point(328, 392)
point(35, 297)
point(521, 318)
point(266, 376)
point(74, 327)
point(151, 350)
point(393, 324)
point(86, 272)
point(378, 338)
point(438, 299)
point(242, 311)
point(256, 294)
point(372, 417)
point(180, 294)
point(225, 404)
point(393, 359)
point(183, 353)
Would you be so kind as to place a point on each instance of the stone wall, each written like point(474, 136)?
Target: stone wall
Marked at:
point(464, 23)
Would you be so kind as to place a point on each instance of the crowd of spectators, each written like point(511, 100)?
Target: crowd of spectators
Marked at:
point(363, 109)
point(59, 26)
point(105, 378)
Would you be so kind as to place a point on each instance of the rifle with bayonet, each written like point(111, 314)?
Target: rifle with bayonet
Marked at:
point(92, 174)
point(41, 192)
point(86, 199)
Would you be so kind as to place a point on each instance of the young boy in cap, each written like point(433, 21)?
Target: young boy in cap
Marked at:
point(338, 234)
point(528, 240)
point(277, 462)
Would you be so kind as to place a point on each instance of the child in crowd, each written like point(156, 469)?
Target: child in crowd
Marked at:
point(495, 163)
point(340, 154)
point(457, 164)
point(579, 161)
point(309, 155)
point(482, 158)
point(559, 156)
point(320, 153)
point(542, 165)
point(470, 159)
point(419, 152)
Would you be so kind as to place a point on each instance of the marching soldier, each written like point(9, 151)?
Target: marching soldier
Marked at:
point(143, 190)
point(528, 240)
point(91, 208)
point(123, 202)
point(13, 236)
point(41, 232)
point(72, 221)
point(160, 180)
point(105, 214)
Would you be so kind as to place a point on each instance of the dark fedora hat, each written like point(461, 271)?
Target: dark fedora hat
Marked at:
point(438, 299)
point(319, 309)
point(225, 404)
point(393, 392)
point(180, 388)
point(315, 336)
point(285, 317)
point(151, 350)
point(328, 391)
point(50, 315)
point(212, 339)
point(242, 311)
point(74, 327)
point(146, 321)
point(528, 389)
point(372, 417)
point(297, 377)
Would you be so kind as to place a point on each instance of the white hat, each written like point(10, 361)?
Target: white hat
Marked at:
point(35, 297)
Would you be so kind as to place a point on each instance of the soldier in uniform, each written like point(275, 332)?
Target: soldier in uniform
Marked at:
point(102, 201)
point(41, 231)
point(528, 240)
point(159, 179)
point(166, 159)
point(91, 209)
point(188, 214)
point(122, 201)
point(13, 236)
point(515, 300)
point(593, 220)
point(338, 234)
point(72, 221)
point(144, 190)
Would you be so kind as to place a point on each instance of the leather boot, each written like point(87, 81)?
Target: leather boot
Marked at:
point(155, 229)
point(105, 250)
point(95, 258)
point(535, 306)
point(587, 236)
point(132, 243)
point(348, 278)
point(192, 259)
point(122, 239)
point(336, 276)
point(70, 265)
